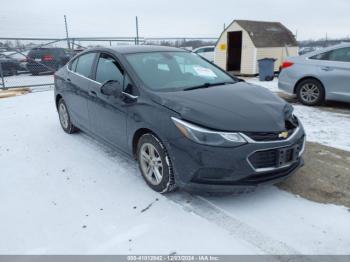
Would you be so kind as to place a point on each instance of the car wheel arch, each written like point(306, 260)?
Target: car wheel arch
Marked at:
point(305, 78)
point(136, 137)
point(58, 97)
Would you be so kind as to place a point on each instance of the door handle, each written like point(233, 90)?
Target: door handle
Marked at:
point(68, 80)
point(326, 68)
point(93, 93)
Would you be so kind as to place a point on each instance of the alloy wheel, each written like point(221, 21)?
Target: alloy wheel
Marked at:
point(310, 93)
point(63, 114)
point(151, 164)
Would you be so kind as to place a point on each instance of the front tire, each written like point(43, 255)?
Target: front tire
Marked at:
point(155, 164)
point(311, 92)
point(64, 117)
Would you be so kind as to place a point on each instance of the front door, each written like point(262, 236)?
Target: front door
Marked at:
point(107, 113)
point(335, 73)
point(77, 94)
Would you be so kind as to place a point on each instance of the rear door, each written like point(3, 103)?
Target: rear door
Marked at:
point(107, 113)
point(334, 72)
point(79, 80)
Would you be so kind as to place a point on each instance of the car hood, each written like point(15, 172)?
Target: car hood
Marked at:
point(235, 107)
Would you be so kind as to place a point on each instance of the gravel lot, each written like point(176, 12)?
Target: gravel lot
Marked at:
point(325, 178)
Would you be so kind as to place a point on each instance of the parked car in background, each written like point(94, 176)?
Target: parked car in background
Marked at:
point(20, 57)
point(187, 122)
point(9, 65)
point(318, 76)
point(305, 50)
point(206, 51)
point(41, 60)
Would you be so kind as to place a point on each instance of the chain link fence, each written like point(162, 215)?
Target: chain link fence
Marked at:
point(31, 62)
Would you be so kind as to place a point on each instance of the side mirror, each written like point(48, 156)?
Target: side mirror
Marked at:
point(112, 88)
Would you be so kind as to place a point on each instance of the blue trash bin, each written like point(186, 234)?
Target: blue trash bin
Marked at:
point(266, 69)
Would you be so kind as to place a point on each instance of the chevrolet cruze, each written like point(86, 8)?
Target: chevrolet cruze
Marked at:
point(188, 123)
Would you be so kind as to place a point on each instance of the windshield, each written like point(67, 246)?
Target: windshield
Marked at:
point(172, 71)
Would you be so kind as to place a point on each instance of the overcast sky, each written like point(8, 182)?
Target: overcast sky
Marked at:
point(164, 18)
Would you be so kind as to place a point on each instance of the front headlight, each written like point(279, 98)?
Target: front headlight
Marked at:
point(208, 137)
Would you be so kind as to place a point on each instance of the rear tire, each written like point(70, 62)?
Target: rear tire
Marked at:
point(14, 71)
point(155, 164)
point(310, 92)
point(64, 117)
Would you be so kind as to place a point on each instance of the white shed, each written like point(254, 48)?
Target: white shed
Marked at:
point(243, 43)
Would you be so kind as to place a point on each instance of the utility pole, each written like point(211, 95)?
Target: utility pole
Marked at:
point(67, 36)
point(137, 31)
point(224, 26)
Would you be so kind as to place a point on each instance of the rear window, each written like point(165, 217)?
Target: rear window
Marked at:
point(205, 49)
point(209, 49)
point(39, 53)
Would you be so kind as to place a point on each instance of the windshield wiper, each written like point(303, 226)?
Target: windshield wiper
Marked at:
point(206, 85)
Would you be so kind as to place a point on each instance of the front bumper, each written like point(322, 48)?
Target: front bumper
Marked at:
point(214, 169)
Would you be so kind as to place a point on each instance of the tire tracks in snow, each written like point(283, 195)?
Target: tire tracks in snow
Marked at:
point(207, 210)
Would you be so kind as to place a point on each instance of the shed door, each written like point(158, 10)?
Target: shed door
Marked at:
point(234, 51)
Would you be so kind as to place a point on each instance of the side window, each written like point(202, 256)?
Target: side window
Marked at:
point(322, 56)
point(340, 55)
point(129, 87)
point(108, 69)
point(84, 64)
point(73, 65)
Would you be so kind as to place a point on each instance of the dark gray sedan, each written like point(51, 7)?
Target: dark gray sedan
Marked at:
point(188, 123)
point(318, 76)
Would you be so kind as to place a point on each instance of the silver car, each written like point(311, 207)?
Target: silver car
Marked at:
point(206, 51)
point(318, 76)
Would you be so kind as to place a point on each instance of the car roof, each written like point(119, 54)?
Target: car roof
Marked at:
point(133, 49)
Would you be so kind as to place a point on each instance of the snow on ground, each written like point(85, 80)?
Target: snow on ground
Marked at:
point(331, 129)
point(324, 127)
point(69, 194)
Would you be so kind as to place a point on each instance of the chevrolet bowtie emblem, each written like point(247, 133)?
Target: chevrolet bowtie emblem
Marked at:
point(284, 134)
